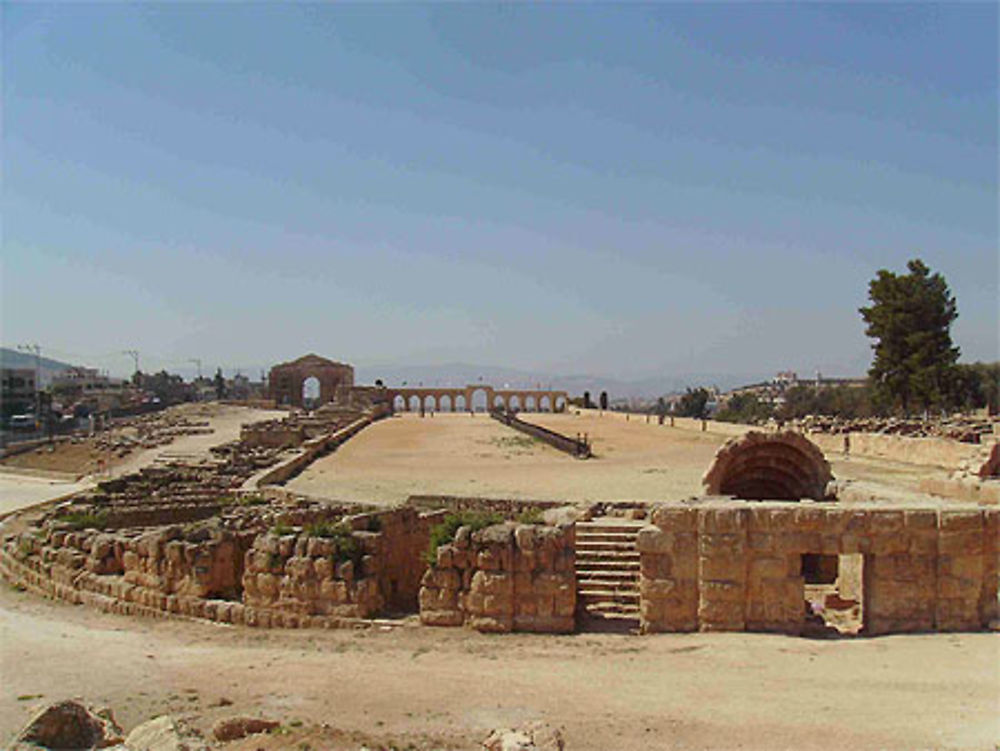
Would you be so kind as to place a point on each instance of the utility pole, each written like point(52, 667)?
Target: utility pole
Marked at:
point(134, 354)
point(38, 375)
point(197, 362)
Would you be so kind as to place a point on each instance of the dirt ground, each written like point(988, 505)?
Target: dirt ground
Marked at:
point(457, 454)
point(80, 458)
point(445, 688)
point(426, 688)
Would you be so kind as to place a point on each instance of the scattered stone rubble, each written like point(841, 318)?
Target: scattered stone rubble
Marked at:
point(532, 736)
point(69, 725)
point(962, 428)
point(149, 431)
point(74, 725)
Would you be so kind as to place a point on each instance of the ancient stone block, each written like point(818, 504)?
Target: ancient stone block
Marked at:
point(653, 539)
point(675, 518)
point(722, 520)
point(441, 617)
point(961, 521)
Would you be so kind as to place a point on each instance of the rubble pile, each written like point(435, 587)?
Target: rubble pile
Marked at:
point(148, 432)
point(962, 428)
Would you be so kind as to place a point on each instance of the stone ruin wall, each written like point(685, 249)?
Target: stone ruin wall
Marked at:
point(296, 575)
point(508, 577)
point(232, 575)
point(736, 566)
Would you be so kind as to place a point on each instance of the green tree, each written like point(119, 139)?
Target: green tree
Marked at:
point(693, 403)
point(744, 408)
point(910, 318)
point(220, 384)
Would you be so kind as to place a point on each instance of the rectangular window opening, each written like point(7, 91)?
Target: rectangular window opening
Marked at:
point(834, 594)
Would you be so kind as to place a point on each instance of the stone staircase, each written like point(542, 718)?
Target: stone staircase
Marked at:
point(607, 569)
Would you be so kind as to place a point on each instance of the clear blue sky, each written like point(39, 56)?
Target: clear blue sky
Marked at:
point(615, 190)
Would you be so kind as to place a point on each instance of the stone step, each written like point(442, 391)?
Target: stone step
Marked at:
point(609, 585)
point(607, 555)
point(620, 578)
point(629, 527)
point(625, 565)
point(587, 545)
point(607, 594)
point(605, 537)
point(613, 608)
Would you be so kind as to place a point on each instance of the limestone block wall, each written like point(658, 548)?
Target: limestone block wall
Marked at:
point(404, 536)
point(233, 570)
point(164, 561)
point(934, 452)
point(508, 577)
point(509, 508)
point(735, 566)
point(299, 575)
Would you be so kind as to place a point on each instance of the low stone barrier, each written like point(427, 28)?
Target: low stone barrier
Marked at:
point(508, 577)
point(933, 452)
point(577, 447)
point(737, 566)
point(311, 450)
point(508, 508)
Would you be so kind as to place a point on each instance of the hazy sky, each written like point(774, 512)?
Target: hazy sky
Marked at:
point(616, 190)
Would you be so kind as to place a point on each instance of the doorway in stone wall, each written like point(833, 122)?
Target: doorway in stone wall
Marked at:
point(310, 392)
point(834, 594)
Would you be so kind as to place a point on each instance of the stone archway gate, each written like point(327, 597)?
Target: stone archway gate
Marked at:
point(285, 380)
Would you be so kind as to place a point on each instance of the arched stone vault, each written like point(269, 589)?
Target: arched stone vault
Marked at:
point(774, 466)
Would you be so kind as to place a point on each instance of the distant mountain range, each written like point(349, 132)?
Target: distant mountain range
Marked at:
point(461, 374)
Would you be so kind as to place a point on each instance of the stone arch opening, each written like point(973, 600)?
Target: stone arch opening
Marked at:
point(545, 404)
point(784, 466)
point(399, 403)
point(480, 400)
point(499, 402)
point(310, 392)
point(560, 404)
point(530, 404)
point(460, 405)
point(514, 403)
point(414, 402)
point(442, 401)
point(430, 403)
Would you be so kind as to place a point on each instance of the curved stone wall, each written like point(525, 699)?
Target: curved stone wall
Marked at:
point(775, 466)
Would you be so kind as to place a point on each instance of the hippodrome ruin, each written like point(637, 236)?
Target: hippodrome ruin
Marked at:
point(768, 547)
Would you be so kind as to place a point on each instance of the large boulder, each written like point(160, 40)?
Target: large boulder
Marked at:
point(70, 725)
point(233, 728)
point(163, 733)
point(532, 736)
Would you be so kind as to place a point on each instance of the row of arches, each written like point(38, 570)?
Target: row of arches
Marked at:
point(476, 400)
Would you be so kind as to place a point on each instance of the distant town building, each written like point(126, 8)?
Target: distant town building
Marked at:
point(84, 381)
point(18, 392)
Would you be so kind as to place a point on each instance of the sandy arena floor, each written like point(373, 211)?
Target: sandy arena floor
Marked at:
point(455, 454)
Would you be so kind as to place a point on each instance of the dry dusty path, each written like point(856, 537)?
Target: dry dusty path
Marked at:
point(697, 691)
point(457, 454)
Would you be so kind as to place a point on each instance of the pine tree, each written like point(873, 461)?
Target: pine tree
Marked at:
point(910, 318)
